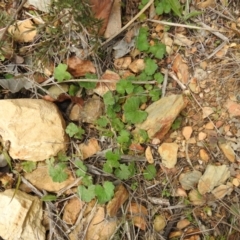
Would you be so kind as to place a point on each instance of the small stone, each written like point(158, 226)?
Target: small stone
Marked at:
point(203, 155)
point(209, 126)
point(148, 155)
point(90, 148)
point(75, 112)
point(187, 132)
point(236, 182)
point(168, 153)
point(233, 108)
point(202, 136)
point(227, 151)
point(56, 90)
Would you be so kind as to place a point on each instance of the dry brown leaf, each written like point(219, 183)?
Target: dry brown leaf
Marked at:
point(148, 155)
point(207, 111)
point(137, 65)
point(101, 10)
point(137, 214)
point(23, 31)
point(103, 87)
point(182, 40)
point(122, 63)
point(101, 228)
point(181, 69)
point(90, 148)
point(120, 196)
point(78, 67)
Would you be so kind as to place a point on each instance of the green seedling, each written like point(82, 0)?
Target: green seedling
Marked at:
point(74, 131)
point(61, 73)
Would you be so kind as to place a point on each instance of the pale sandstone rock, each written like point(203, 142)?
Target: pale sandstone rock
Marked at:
point(40, 178)
point(168, 153)
point(21, 216)
point(161, 115)
point(228, 151)
point(233, 108)
point(34, 128)
point(212, 177)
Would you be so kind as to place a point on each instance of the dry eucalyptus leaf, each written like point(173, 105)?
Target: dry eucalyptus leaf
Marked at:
point(181, 69)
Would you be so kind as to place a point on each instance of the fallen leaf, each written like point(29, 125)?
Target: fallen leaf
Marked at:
point(101, 10)
point(212, 177)
point(23, 31)
point(101, 228)
point(190, 179)
point(196, 198)
point(208, 3)
point(137, 65)
point(90, 148)
point(228, 151)
point(78, 67)
point(181, 69)
point(182, 40)
point(183, 223)
point(72, 210)
point(104, 87)
point(120, 196)
point(122, 63)
point(221, 191)
point(207, 111)
point(203, 155)
point(138, 213)
point(148, 155)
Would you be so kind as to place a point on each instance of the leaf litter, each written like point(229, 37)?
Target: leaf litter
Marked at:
point(196, 63)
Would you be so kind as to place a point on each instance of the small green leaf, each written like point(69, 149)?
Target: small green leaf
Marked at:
point(86, 193)
point(155, 94)
point(150, 66)
point(61, 73)
point(177, 123)
point(150, 172)
point(82, 169)
point(102, 121)
point(104, 193)
point(108, 98)
point(142, 39)
point(124, 86)
point(74, 131)
point(73, 90)
point(140, 136)
point(29, 166)
point(49, 198)
point(176, 7)
point(89, 85)
point(122, 172)
point(58, 172)
point(158, 77)
point(62, 157)
point(124, 137)
point(87, 180)
point(158, 50)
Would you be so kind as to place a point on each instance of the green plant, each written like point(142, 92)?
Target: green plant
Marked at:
point(61, 73)
point(29, 166)
point(74, 131)
point(150, 172)
point(120, 170)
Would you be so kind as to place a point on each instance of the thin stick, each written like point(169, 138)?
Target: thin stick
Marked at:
point(174, 77)
point(130, 22)
point(164, 86)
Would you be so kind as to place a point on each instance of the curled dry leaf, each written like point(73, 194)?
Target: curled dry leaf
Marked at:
point(120, 196)
point(138, 214)
point(148, 155)
point(78, 67)
point(122, 63)
point(137, 65)
point(23, 31)
point(181, 69)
